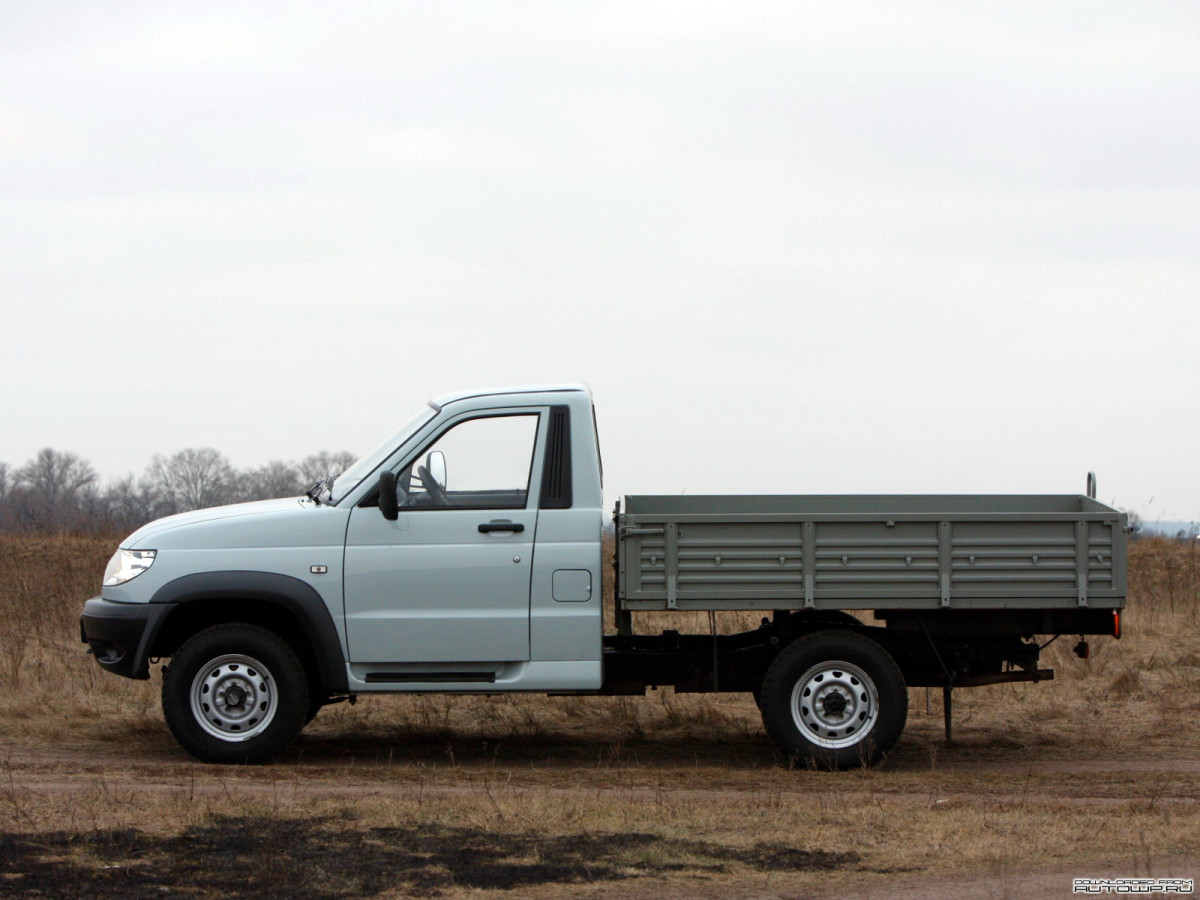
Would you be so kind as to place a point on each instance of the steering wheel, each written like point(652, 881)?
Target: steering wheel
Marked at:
point(435, 491)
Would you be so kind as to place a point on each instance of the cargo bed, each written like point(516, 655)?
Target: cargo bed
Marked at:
point(779, 552)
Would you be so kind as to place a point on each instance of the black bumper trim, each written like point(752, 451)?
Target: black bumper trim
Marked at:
point(119, 634)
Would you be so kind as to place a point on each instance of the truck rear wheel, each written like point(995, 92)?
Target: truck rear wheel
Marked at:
point(235, 694)
point(834, 699)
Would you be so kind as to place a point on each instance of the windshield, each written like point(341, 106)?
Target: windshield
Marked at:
point(367, 464)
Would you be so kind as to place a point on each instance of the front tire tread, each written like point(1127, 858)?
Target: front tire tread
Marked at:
point(276, 655)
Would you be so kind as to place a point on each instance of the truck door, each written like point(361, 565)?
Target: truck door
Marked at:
point(448, 581)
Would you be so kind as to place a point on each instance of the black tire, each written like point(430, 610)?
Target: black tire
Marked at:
point(235, 693)
point(834, 699)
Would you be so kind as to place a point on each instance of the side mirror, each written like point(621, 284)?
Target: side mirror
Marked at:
point(388, 504)
point(436, 463)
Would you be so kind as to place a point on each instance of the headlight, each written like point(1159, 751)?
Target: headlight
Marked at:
point(126, 565)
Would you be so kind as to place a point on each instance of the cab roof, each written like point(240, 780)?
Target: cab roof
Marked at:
point(438, 402)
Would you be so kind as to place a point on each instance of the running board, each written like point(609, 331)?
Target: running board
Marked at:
point(430, 678)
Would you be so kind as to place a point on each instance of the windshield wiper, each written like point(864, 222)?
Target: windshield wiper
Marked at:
point(315, 491)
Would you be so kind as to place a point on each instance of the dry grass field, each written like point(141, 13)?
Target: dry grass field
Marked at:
point(1094, 774)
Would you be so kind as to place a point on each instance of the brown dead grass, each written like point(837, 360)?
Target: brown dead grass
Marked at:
point(675, 795)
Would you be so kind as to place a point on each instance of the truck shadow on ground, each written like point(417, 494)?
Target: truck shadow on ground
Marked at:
point(266, 857)
point(730, 751)
point(465, 748)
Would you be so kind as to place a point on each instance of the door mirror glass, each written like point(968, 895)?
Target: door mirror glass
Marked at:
point(435, 462)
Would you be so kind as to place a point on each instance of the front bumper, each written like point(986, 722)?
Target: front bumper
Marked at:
point(119, 634)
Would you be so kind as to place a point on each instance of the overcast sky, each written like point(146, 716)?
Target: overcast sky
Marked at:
point(810, 248)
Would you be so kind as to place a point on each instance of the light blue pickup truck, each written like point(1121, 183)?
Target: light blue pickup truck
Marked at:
point(464, 555)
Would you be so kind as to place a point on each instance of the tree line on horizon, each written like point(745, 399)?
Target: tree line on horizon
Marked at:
point(58, 491)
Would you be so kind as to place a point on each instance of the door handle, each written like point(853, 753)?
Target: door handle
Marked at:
point(487, 527)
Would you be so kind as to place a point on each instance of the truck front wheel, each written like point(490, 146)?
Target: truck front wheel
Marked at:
point(235, 693)
point(834, 699)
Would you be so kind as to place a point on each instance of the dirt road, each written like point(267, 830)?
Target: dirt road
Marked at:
point(361, 817)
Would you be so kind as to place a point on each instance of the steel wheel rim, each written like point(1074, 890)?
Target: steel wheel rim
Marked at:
point(835, 704)
point(234, 697)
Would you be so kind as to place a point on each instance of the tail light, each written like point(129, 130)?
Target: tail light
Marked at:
point(1116, 623)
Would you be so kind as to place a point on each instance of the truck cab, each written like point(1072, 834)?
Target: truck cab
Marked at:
point(413, 570)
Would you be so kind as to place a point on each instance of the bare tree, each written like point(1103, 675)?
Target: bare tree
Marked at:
point(7, 513)
point(57, 491)
point(56, 475)
point(276, 479)
point(51, 484)
point(323, 465)
point(127, 504)
point(194, 478)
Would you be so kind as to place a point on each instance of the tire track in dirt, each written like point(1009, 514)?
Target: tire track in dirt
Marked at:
point(67, 771)
point(93, 760)
point(332, 790)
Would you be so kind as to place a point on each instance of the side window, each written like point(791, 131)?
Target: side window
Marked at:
point(481, 463)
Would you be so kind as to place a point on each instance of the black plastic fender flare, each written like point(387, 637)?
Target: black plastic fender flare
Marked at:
point(294, 595)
